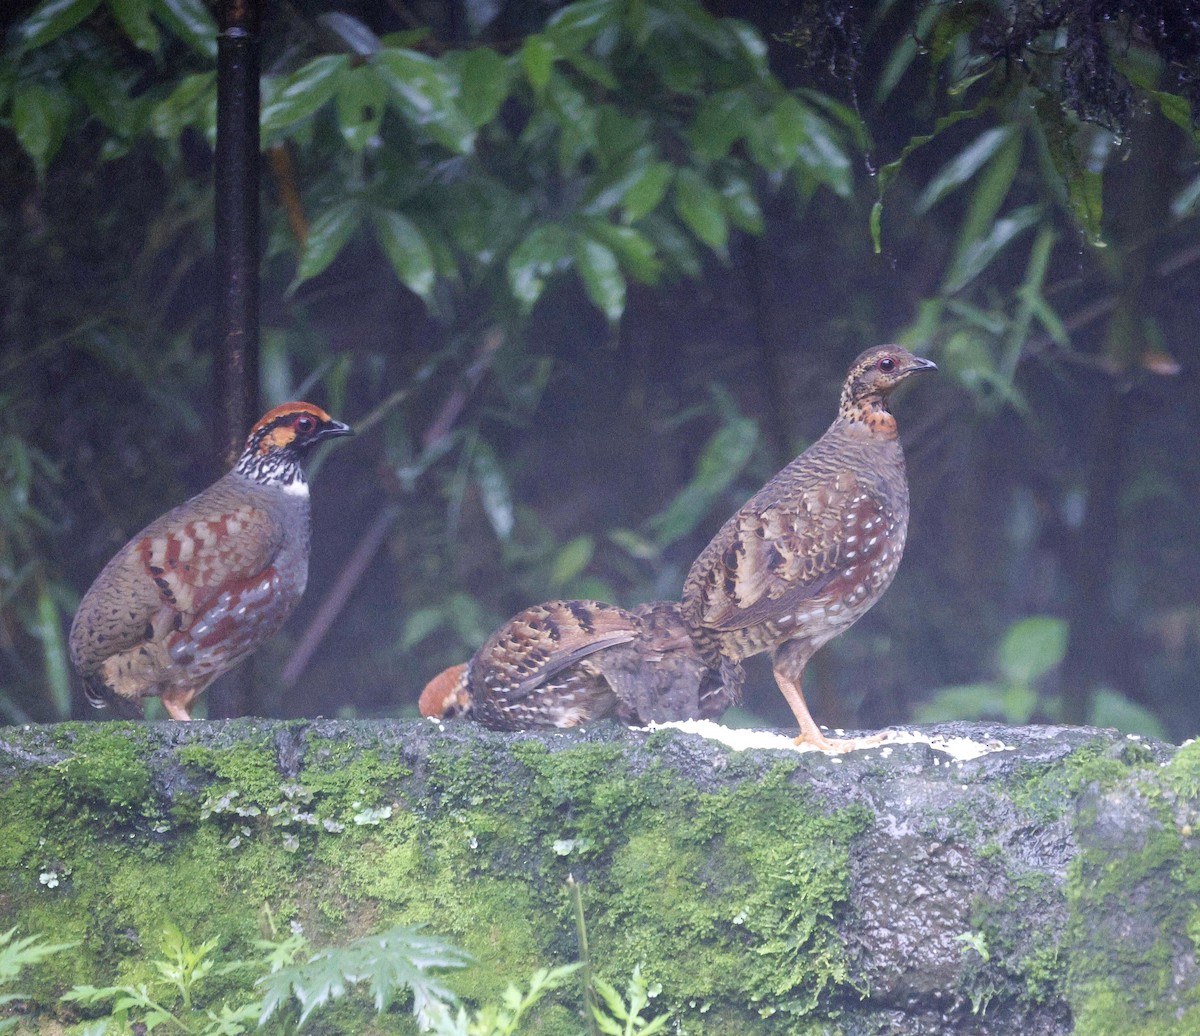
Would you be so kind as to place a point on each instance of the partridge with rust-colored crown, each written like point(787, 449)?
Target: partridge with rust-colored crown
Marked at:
point(816, 547)
point(566, 663)
point(200, 588)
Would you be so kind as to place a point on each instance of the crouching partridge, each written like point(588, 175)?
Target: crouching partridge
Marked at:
point(565, 663)
point(816, 547)
point(199, 589)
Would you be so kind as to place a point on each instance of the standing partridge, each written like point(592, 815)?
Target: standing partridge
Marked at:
point(200, 588)
point(565, 663)
point(816, 547)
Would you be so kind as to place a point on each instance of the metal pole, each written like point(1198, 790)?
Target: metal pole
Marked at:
point(237, 255)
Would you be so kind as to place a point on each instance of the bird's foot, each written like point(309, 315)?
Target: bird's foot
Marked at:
point(178, 704)
point(840, 744)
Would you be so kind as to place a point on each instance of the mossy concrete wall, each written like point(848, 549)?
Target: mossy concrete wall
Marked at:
point(1050, 887)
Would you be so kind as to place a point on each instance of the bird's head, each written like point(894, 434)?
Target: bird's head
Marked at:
point(446, 695)
point(872, 378)
point(281, 439)
point(878, 371)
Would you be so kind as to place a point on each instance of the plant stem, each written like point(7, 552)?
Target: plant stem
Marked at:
point(589, 995)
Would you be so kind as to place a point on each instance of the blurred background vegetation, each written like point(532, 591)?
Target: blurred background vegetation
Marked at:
point(583, 276)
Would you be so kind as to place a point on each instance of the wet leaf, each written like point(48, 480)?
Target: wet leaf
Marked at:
point(486, 81)
point(191, 21)
point(54, 654)
point(134, 18)
point(494, 491)
point(40, 115)
point(892, 169)
point(192, 103)
point(573, 27)
point(427, 92)
point(962, 167)
point(571, 560)
point(723, 458)
point(636, 252)
point(700, 206)
point(326, 237)
point(1112, 709)
point(53, 18)
point(1187, 202)
point(407, 250)
point(1081, 185)
point(354, 34)
point(361, 101)
point(537, 56)
point(741, 205)
point(1032, 647)
point(647, 189)
point(601, 276)
point(976, 255)
point(546, 250)
point(720, 121)
point(420, 625)
point(968, 701)
point(289, 99)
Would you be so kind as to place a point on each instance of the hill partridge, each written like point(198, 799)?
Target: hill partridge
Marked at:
point(200, 588)
point(565, 663)
point(816, 547)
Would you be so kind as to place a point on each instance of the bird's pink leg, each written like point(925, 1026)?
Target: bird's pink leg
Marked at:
point(178, 703)
point(810, 733)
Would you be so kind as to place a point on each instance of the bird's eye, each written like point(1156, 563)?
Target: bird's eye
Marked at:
point(305, 424)
point(886, 364)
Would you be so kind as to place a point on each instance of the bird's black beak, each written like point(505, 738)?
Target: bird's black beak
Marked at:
point(332, 430)
point(919, 365)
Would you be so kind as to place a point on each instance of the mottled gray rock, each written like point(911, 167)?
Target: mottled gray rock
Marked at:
point(1048, 886)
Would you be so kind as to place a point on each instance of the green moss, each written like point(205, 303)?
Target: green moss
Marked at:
point(1182, 773)
point(1015, 960)
point(342, 770)
point(1047, 790)
point(728, 899)
point(104, 782)
point(730, 896)
point(1124, 891)
point(1104, 1009)
point(107, 769)
point(248, 766)
point(584, 797)
point(1044, 969)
